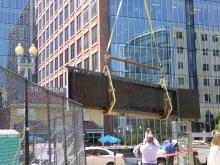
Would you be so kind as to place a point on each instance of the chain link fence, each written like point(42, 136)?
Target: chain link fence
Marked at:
point(38, 126)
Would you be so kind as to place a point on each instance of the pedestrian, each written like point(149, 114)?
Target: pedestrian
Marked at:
point(170, 149)
point(149, 149)
point(214, 154)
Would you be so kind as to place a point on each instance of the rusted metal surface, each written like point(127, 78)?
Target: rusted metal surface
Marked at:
point(91, 89)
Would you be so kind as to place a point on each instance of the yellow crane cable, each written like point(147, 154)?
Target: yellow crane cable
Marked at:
point(113, 29)
point(162, 81)
point(106, 71)
point(111, 89)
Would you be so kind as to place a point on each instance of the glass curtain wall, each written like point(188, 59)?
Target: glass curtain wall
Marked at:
point(14, 28)
point(207, 30)
point(188, 48)
point(133, 40)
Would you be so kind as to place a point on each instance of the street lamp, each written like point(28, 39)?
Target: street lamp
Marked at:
point(20, 51)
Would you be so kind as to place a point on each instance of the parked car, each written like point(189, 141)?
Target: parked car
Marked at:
point(102, 156)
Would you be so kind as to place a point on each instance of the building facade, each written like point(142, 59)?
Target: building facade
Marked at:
point(187, 38)
point(14, 28)
point(76, 33)
point(67, 33)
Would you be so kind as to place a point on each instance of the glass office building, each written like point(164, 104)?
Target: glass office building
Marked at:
point(14, 28)
point(187, 35)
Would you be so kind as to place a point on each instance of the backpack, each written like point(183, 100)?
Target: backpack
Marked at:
point(137, 151)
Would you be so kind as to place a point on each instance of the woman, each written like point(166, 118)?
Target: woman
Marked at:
point(214, 155)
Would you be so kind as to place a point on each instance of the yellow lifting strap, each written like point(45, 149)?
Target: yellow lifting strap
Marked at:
point(111, 89)
point(169, 107)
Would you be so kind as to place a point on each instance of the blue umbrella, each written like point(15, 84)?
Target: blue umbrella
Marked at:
point(36, 139)
point(109, 139)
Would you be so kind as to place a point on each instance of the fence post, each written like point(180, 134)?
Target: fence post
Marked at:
point(26, 127)
point(64, 133)
point(48, 126)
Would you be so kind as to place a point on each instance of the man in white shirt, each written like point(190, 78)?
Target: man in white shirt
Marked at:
point(149, 150)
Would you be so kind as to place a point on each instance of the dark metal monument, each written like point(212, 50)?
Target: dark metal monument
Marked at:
point(91, 89)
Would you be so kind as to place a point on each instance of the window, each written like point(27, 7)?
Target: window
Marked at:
point(51, 29)
point(47, 34)
point(206, 82)
point(36, 13)
point(66, 33)
point(72, 28)
point(60, 2)
point(217, 82)
point(43, 73)
point(39, 25)
point(66, 13)
point(56, 43)
point(71, 6)
point(215, 52)
point(79, 65)
point(86, 15)
point(180, 65)
point(67, 55)
point(205, 67)
point(215, 38)
point(216, 67)
point(61, 60)
point(65, 77)
point(56, 82)
point(73, 51)
point(179, 35)
point(47, 15)
point(207, 97)
point(61, 38)
point(79, 46)
point(183, 128)
point(43, 55)
point(204, 37)
point(86, 41)
point(180, 50)
point(100, 152)
point(180, 81)
point(47, 70)
point(205, 52)
point(43, 38)
point(39, 59)
point(51, 67)
point(39, 76)
point(40, 8)
point(78, 2)
point(56, 63)
point(51, 10)
point(47, 52)
point(51, 48)
point(43, 5)
point(61, 81)
point(86, 64)
point(39, 41)
point(55, 5)
point(51, 83)
point(95, 62)
point(79, 22)
point(217, 98)
point(61, 18)
point(94, 10)
point(56, 24)
point(94, 34)
point(43, 20)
